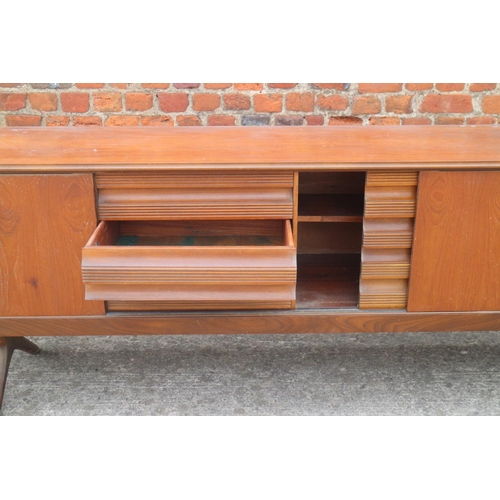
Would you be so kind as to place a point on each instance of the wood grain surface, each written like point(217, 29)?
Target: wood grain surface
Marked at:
point(456, 252)
point(240, 322)
point(95, 147)
point(45, 220)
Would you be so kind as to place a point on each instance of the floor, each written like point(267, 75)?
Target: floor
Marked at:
point(361, 374)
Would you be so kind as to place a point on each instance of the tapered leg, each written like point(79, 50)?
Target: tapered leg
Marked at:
point(7, 346)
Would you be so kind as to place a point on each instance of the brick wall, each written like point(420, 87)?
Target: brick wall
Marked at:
point(192, 104)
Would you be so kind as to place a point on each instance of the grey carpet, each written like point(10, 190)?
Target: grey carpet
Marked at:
point(362, 374)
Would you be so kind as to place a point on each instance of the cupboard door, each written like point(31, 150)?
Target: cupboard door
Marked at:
point(456, 250)
point(44, 222)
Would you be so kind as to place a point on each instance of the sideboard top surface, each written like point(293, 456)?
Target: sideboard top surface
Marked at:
point(294, 148)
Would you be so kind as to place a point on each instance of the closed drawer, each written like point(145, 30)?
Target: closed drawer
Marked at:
point(194, 195)
point(175, 265)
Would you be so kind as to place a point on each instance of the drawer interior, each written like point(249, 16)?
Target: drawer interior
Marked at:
point(193, 233)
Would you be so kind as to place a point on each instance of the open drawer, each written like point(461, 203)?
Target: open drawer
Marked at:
point(181, 265)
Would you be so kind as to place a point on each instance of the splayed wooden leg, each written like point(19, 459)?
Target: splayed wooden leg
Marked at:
point(7, 346)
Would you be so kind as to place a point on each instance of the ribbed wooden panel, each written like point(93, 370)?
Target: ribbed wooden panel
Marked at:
point(185, 275)
point(383, 263)
point(185, 305)
point(390, 202)
point(388, 270)
point(158, 180)
point(383, 294)
point(197, 203)
point(193, 292)
point(234, 212)
point(196, 195)
point(387, 233)
point(392, 179)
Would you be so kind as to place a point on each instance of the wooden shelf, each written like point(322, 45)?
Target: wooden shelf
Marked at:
point(329, 281)
point(330, 218)
point(330, 208)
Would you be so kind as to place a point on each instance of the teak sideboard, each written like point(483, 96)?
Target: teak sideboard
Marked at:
point(247, 230)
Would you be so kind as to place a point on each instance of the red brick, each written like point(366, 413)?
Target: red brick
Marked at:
point(173, 103)
point(10, 85)
point(205, 102)
point(155, 85)
point(217, 86)
point(332, 102)
point(221, 120)
point(289, 120)
point(449, 120)
point(107, 101)
point(74, 102)
point(236, 101)
point(418, 86)
point(43, 101)
point(138, 101)
point(23, 120)
point(186, 85)
point(370, 88)
point(450, 87)
point(367, 104)
point(157, 121)
point(57, 121)
point(481, 120)
point(315, 120)
point(334, 86)
point(119, 85)
point(87, 121)
point(281, 85)
point(417, 121)
point(12, 102)
point(384, 120)
point(248, 86)
point(188, 121)
point(481, 87)
point(398, 103)
point(345, 120)
point(446, 103)
point(121, 121)
point(300, 101)
point(89, 85)
point(491, 104)
point(268, 103)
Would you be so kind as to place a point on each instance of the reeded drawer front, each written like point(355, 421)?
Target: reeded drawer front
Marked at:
point(194, 195)
point(183, 265)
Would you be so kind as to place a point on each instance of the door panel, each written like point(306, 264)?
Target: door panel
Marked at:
point(44, 222)
point(456, 251)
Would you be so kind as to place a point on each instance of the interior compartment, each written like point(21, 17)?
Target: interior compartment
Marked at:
point(330, 230)
point(194, 233)
point(331, 196)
